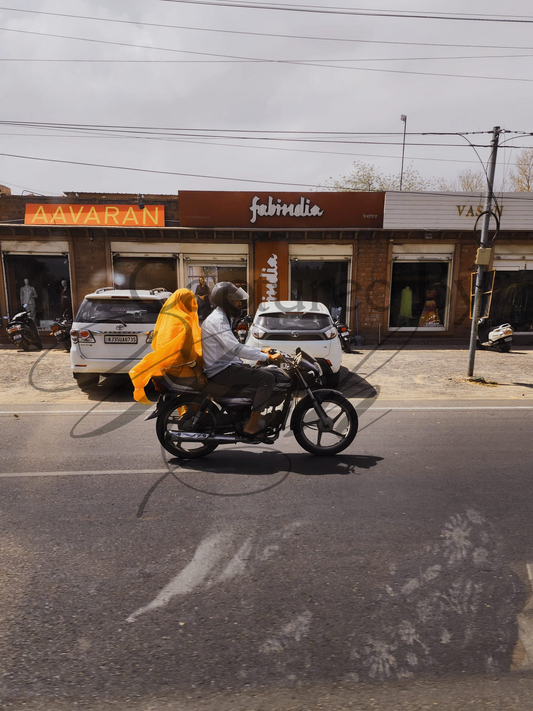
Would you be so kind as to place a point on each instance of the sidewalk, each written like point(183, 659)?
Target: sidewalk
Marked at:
point(390, 373)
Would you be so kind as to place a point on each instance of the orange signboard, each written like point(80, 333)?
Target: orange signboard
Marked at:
point(95, 215)
point(275, 210)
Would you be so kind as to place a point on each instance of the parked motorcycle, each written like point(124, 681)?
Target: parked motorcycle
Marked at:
point(241, 326)
point(497, 339)
point(61, 330)
point(192, 423)
point(22, 331)
point(345, 336)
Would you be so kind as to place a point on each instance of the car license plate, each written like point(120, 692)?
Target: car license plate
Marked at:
point(17, 337)
point(120, 339)
point(508, 339)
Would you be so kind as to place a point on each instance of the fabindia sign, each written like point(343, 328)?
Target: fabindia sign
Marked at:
point(273, 210)
point(95, 215)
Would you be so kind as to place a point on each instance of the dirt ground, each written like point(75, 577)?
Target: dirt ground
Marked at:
point(390, 374)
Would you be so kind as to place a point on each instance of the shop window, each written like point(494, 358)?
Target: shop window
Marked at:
point(211, 275)
point(419, 294)
point(325, 282)
point(144, 273)
point(40, 282)
point(512, 299)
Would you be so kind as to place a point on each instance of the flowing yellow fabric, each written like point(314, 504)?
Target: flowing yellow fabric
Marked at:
point(177, 340)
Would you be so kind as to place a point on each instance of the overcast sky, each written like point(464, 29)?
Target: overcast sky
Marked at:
point(219, 95)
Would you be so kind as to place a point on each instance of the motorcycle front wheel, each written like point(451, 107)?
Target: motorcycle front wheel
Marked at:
point(325, 438)
point(177, 417)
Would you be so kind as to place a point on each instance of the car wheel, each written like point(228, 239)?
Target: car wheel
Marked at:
point(87, 381)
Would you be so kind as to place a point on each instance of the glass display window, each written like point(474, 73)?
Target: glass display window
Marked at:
point(130, 272)
point(419, 294)
point(40, 285)
point(323, 281)
point(201, 278)
point(512, 299)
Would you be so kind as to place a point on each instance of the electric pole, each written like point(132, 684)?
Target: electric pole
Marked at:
point(403, 118)
point(483, 254)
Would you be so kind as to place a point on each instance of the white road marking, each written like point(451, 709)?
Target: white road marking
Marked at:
point(359, 405)
point(7, 413)
point(207, 555)
point(525, 625)
point(85, 472)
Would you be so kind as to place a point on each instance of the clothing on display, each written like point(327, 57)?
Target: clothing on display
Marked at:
point(430, 314)
point(406, 304)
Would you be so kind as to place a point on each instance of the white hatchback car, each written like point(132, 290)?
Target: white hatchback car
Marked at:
point(288, 325)
point(112, 331)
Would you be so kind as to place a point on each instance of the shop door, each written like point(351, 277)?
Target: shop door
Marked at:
point(322, 281)
point(40, 282)
point(130, 272)
point(512, 299)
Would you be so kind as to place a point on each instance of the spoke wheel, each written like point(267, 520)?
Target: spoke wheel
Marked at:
point(329, 436)
point(177, 417)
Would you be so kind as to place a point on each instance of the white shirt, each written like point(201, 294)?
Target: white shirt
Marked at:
point(220, 348)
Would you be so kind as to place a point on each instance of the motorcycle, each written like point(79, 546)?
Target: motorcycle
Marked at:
point(61, 330)
point(345, 336)
point(22, 331)
point(192, 422)
point(498, 339)
point(241, 326)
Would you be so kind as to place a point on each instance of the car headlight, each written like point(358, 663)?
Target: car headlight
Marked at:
point(149, 336)
point(331, 333)
point(258, 332)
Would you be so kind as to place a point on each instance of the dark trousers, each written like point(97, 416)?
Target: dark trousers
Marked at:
point(235, 378)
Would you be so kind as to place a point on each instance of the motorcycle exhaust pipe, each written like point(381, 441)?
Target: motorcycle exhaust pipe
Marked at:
point(202, 437)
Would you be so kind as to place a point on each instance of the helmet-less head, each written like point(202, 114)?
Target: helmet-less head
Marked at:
point(228, 297)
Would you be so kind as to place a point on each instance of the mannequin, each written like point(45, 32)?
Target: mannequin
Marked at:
point(27, 298)
point(430, 315)
point(65, 296)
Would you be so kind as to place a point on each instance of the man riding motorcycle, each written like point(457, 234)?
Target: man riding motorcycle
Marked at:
point(222, 352)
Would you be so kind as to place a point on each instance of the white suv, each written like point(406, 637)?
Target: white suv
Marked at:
point(112, 331)
point(288, 325)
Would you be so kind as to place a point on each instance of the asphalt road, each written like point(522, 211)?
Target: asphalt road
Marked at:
point(399, 568)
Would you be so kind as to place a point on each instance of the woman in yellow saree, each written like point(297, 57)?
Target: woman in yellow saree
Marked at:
point(177, 340)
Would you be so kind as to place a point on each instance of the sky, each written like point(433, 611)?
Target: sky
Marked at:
point(184, 108)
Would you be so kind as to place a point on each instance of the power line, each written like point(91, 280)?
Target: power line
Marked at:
point(158, 172)
point(233, 145)
point(245, 60)
point(357, 13)
point(297, 63)
point(166, 129)
point(266, 34)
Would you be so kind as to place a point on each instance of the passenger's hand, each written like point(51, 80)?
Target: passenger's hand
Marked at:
point(202, 380)
point(265, 350)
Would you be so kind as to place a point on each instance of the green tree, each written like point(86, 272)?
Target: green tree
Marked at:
point(468, 181)
point(365, 177)
point(521, 177)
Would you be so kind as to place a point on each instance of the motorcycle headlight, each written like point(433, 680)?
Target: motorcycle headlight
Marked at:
point(331, 333)
point(258, 332)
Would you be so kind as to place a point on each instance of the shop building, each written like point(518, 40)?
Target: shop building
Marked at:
point(387, 263)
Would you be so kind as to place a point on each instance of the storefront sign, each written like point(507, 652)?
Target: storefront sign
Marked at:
point(280, 210)
point(95, 215)
point(271, 271)
point(455, 211)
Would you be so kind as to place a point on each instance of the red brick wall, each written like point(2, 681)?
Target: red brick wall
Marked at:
point(372, 286)
point(88, 264)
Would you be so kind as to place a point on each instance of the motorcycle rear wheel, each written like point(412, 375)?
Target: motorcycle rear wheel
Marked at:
point(310, 433)
point(174, 418)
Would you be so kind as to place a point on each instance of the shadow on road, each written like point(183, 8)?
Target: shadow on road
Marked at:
point(271, 462)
